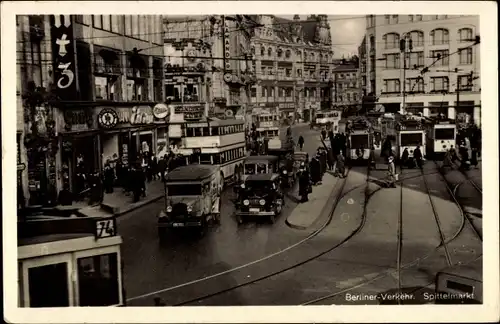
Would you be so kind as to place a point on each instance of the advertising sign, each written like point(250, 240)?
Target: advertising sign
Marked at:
point(160, 111)
point(192, 112)
point(64, 68)
point(142, 115)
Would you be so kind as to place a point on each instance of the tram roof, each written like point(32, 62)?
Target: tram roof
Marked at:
point(256, 158)
point(261, 177)
point(194, 172)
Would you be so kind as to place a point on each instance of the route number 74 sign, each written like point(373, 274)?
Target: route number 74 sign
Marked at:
point(105, 227)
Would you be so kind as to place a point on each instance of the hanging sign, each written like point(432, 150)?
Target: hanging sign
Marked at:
point(62, 42)
point(107, 118)
point(161, 111)
point(191, 111)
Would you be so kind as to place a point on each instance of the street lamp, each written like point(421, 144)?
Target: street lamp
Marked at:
point(405, 44)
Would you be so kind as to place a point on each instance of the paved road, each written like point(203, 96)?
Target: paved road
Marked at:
point(150, 266)
point(365, 264)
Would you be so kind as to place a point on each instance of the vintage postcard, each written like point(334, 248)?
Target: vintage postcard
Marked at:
point(227, 161)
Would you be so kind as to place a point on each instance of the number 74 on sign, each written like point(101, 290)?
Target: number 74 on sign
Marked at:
point(105, 228)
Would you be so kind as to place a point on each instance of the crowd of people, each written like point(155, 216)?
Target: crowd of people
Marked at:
point(130, 177)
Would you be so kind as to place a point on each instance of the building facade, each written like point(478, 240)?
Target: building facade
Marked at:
point(103, 74)
point(451, 85)
point(346, 86)
point(293, 64)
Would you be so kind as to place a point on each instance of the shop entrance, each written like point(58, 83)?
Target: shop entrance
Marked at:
point(141, 143)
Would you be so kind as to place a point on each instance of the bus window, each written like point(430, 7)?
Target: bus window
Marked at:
point(98, 280)
point(197, 131)
point(215, 131)
point(48, 285)
point(206, 131)
point(205, 158)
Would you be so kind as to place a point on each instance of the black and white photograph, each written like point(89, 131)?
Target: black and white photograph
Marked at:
point(224, 154)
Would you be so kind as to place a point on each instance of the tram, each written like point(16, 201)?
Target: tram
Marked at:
point(218, 142)
point(66, 262)
point(359, 139)
point(384, 135)
point(328, 119)
point(410, 134)
point(441, 136)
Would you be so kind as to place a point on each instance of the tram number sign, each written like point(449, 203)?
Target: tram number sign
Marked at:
point(105, 228)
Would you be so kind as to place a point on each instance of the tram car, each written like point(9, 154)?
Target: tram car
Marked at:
point(268, 127)
point(441, 136)
point(410, 134)
point(359, 139)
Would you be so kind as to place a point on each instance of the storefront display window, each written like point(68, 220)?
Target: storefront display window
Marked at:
point(98, 280)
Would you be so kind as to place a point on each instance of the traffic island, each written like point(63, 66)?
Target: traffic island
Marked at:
point(305, 214)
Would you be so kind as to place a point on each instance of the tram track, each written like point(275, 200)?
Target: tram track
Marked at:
point(247, 265)
point(342, 195)
point(400, 268)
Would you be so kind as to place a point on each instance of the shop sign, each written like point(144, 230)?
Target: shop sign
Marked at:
point(190, 112)
point(160, 111)
point(62, 43)
point(107, 118)
point(286, 105)
point(142, 115)
point(78, 119)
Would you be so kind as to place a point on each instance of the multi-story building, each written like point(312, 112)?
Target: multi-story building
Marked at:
point(362, 68)
point(447, 87)
point(103, 75)
point(293, 64)
point(346, 86)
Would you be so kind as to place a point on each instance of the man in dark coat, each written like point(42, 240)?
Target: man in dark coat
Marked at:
point(315, 168)
point(417, 155)
point(135, 182)
point(109, 178)
point(323, 134)
point(304, 183)
point(301, 142)
point(404, 157)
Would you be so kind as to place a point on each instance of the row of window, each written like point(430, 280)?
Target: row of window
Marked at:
point(416, 59)
point(109, 88)
point(182, 92)
point(288, 72)
point(348, 97)
point(144, 27)
point(352, 84)
point(223, 157)
point(309, 57)
point(346, 75)
point(439, 36)
point(286, 92)
point(416, 85)
point(395, 19)
point(212, 130)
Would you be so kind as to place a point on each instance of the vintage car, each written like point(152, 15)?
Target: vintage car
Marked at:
point(260, 195)
point(257, 164)
point(286, 166)
point(192, 198)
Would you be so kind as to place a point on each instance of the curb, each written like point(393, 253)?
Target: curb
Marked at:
point(300, 227)
point(119, 212)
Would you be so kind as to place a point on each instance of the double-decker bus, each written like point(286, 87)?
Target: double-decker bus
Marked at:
point(216, 142)
point(328, 119)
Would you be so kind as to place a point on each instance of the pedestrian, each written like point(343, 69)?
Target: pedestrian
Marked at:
point(371, 159)
point(391, 172)
point(448, 159)
point(417, 156)
point(405, 157)
point(300, 142)
point(473, 158)
point(109, 177)
point(315, 169)
point(304, 183)
point(323, 134)
point(162, 167)
point(341, 165)
point(464, 156)
point(135, 182)
point(119, 172)
point(154, 167)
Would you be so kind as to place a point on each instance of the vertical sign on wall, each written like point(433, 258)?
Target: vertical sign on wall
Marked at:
point(63, 55)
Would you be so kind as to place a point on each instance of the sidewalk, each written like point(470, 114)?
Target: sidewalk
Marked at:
point(306, 213)
point(117, 203)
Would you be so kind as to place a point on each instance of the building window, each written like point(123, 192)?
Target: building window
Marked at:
point(348, 97)
point(395, 19)
point(340, 98)
point(136, 90)
point(355, 97)
point(416, 59)
point(172, 92)
point(466, 55)
point(440, 36)
point(262, 51)
point(416, 85)
point(269, 52)
point(128, 25)
point(417, 38)
point(97, 21)
point(270, 70)
point(264, 92)
point(392, 61)
point(299, 54)
point(391, 40)
point(418, 18)
point(442, 56)
point(440, 84)
point(299, 73)
point(312, 58)
point(410, 18)
point(465, 35)
point(106, 87)
point(392, 86)
point(387, 19)
point(288, 73)
point(107, 70)
point(372, 42)
point(253, 92)
point(106, 22)
point(98, 280)
point(464, 83)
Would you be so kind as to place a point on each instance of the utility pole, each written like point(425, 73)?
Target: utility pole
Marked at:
point(403, 48)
